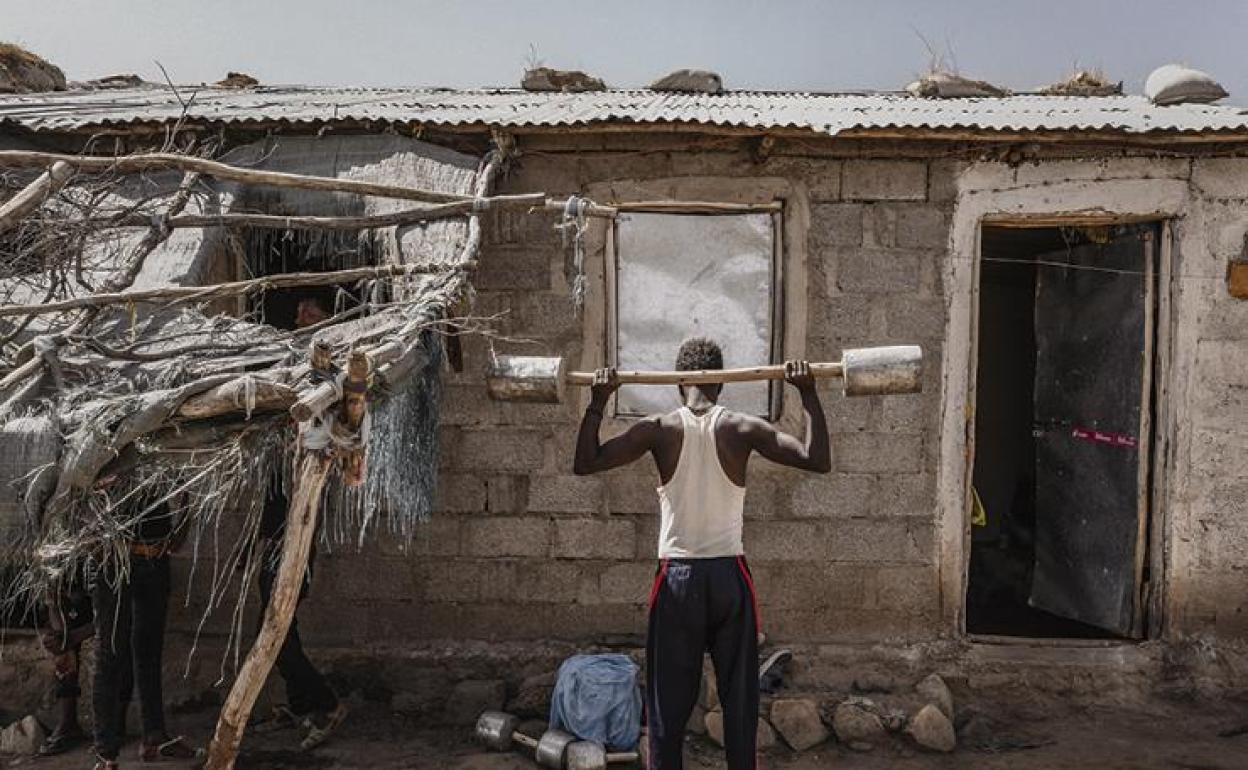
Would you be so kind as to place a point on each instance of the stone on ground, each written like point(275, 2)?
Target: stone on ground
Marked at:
point(934, 690)
point(798, 723)
point(765, 737)
point(472, 696)
point(23, 737)
point(932, 730)
point(854, 722)
point(533, 697)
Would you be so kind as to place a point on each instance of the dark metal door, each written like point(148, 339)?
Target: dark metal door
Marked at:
point(1093, 366)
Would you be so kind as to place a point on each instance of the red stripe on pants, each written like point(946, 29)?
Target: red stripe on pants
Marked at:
point(749, 581)
point(658, 583)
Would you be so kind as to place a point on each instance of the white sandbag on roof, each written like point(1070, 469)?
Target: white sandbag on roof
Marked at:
point(948, 85)
point(1176, 84)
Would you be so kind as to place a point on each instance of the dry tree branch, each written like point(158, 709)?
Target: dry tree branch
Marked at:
point(178, 294)
point(219, 170)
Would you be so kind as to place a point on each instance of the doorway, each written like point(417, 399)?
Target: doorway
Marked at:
point(1063, 413)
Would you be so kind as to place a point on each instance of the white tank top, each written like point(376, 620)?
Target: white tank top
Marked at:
point(700, 507)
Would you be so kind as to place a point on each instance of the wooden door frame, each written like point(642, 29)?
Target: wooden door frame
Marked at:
point(1156, 414)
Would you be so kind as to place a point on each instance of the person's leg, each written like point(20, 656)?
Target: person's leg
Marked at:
point(675, 641)
point(125, 692)
point(65, 667)
point(68, 732)
point(307, 692)
point(111, 597)
point(733, 641)
point(150, 600)
point(151, 607)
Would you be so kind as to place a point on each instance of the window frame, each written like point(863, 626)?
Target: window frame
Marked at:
point(777, 298)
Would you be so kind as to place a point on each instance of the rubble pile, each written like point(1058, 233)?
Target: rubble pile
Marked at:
point(803, 722)
point(570, 81)
point(22, 72)
point(901, 719)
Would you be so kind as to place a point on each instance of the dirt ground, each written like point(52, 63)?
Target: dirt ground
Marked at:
point(1162, 736)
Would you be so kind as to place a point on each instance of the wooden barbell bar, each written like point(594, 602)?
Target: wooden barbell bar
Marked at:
point(890, 370)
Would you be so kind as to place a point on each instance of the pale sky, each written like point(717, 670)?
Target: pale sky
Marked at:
point(783, 44)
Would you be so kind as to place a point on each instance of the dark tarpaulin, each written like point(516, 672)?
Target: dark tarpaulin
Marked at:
point(1090, 341)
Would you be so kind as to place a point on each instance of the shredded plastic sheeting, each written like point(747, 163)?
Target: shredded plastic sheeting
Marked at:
point(401, 476)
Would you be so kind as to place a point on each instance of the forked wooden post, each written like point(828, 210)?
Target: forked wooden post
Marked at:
point(296, 545)
point(313, 470)
point(351, 411)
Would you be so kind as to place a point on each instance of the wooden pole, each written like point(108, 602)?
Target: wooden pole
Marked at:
point(707, 376)
point(320, 397)
point(233, 288)
point(612, 210)
point(886, 370)
point(351, 412)
point(156, 161)
point(296, 545)
point(34, 194)
point(394, 219)
point(268, 396)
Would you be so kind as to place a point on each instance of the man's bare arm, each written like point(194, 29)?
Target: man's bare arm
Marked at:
point(811, 454)
point(632, 444)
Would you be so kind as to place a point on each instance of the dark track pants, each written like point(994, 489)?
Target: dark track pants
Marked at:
point(129, 640)
point(306, 689)
point(698, 605)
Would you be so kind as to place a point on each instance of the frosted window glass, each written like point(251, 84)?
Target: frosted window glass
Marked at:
point(682, 276)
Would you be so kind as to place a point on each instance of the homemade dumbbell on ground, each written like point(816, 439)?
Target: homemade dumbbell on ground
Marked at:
point(879, 371)
point(555, 749)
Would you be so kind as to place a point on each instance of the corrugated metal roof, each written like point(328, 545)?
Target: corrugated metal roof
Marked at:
point(820, 113)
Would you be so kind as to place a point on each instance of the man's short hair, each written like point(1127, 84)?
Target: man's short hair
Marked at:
point(699, 353)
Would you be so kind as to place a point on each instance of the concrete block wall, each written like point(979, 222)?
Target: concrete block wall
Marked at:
point(519, 548)
point(1210, 517)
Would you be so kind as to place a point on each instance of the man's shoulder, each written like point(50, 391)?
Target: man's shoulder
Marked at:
point(741, 420)
point(666, 420)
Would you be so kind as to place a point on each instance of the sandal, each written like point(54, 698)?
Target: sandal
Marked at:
point(321, 726)
point(61, 742)
point(282, 718)
point(172, 750)
point(771, 673)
